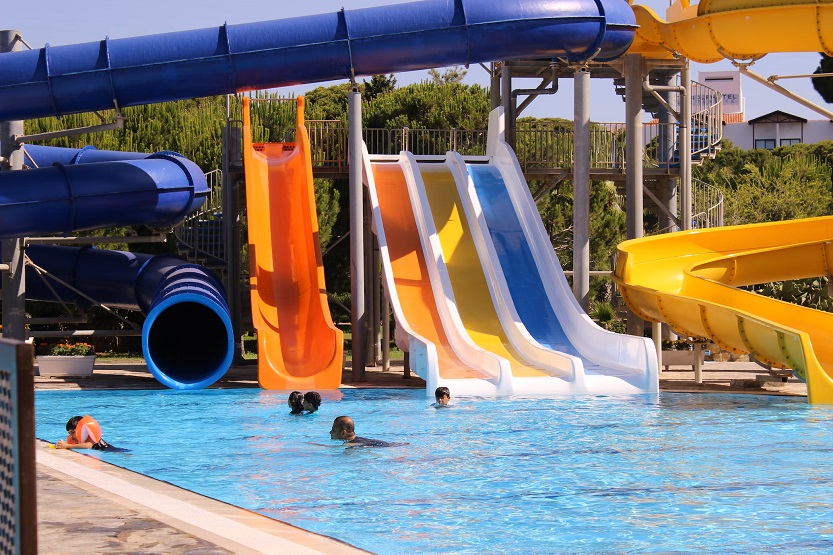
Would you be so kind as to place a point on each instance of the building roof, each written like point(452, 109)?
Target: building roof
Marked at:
point(777, 117)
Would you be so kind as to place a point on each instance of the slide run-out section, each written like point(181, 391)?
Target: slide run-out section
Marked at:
point(737, 29)
point(454, 304)
point(299, 347)
point(691, 280)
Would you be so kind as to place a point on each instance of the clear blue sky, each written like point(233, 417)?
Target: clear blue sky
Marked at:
point(60, 22)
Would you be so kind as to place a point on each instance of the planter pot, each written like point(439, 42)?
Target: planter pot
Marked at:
point(79, 367)
point(681, 358)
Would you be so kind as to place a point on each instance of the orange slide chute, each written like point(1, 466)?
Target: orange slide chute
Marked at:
point(299, 347)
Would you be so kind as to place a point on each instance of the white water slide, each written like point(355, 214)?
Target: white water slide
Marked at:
point(480, 299)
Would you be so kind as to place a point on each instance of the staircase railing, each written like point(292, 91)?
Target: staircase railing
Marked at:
point(200, 235)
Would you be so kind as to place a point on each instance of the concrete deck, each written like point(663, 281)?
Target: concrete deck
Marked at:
point(87, 506)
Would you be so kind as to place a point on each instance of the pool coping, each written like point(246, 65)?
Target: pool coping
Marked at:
point(224, 525)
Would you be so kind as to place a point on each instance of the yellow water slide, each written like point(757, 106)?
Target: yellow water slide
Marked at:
point(299, 347)
point(691, 281)
point(737, 29)
point(471, 291)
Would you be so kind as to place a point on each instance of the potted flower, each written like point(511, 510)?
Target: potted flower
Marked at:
point(65, 359)
point(682, 352)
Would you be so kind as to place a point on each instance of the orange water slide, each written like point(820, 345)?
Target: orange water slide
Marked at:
point(409, 270)
point(299, 347)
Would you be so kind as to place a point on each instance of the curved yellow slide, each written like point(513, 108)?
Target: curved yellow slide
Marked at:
point(299, 347)
point(690, 281)
point(737, 29)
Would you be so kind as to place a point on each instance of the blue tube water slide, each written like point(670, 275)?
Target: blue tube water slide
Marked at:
point(180, 300)
point(95, 193)
point(158, 190)
point(187, 334)
point(52, 81)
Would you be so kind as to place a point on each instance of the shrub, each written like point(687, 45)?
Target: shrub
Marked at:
point(65, 349)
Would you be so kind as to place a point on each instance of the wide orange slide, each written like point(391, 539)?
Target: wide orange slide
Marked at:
point(692, 281)
point(299, 347)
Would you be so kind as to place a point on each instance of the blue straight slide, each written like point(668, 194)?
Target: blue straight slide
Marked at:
point(526, 278)
point(53, 81)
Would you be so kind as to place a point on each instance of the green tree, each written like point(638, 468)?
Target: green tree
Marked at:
point(783, 188)
point(824, 85)
point(378, 85)
point(451, 75)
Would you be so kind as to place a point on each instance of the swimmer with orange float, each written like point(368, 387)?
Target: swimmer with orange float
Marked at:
point(83, 433)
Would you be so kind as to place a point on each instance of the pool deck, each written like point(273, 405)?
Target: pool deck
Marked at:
point(87, 506)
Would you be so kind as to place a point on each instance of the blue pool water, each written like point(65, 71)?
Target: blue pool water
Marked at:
point(674, 473)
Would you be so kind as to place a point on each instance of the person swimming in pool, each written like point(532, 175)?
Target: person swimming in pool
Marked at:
point(90, 435)
point(344, 430)
point(443, 396)
point(312, 400)
point(296, 402)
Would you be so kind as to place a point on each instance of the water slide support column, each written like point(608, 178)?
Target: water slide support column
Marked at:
point(14, 288)
point(581, 188)
point(231, 236)
point(494, 85)
point(685, 145)
point(358, 311)
point(633, 176)
point(508, 104)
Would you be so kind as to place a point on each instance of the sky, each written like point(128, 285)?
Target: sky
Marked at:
point(60, 22)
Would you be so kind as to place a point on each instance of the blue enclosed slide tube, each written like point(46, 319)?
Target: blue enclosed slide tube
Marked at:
point(156, 190)
point(187, 337)
point(60, 80)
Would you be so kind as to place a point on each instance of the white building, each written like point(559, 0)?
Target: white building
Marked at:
point(776, 129)
point(768, 131)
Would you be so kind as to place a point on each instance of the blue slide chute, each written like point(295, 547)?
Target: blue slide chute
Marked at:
point(88, 189)
point(187, 334)
point(58, 80)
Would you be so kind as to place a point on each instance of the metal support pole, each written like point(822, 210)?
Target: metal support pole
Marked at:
point(371, 294)
point(667, 193)
point(13, 280)
point(508, 104)
point(685, 145)
point(581, 189)
point(633, 177)
point(231, 238)
point(656, 335)
point(385, 333)
point(358, 309)
point(494, 86)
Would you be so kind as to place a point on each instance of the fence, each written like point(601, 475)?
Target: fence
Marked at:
point(18, 507)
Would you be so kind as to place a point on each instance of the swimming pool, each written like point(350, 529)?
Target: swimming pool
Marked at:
point(675, 473)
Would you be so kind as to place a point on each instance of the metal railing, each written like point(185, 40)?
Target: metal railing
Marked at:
point(200, 235)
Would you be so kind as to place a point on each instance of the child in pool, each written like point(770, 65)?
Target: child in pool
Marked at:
point(312, 400)
point(296, 402)
point(443, 396)
point(89, 431)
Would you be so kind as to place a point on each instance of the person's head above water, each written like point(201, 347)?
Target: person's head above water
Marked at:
point(296, 402)
point(312, 400)
point(72, 423)
point(343, 428)
point(443, 395)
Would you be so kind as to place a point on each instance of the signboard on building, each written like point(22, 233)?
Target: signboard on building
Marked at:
point(728, 84)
